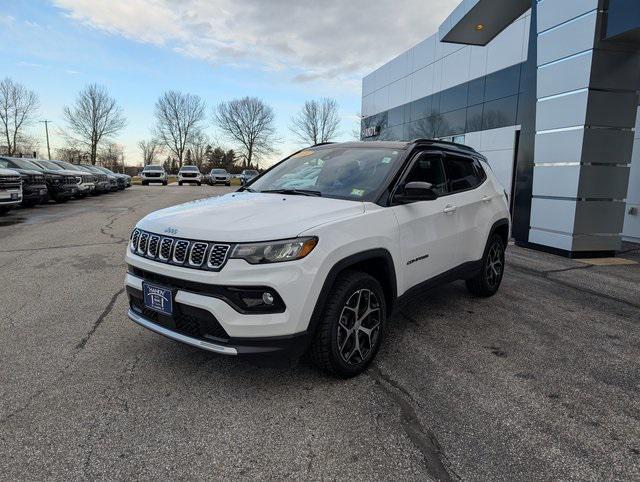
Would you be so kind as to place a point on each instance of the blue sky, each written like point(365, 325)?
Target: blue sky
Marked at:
point(282, 52)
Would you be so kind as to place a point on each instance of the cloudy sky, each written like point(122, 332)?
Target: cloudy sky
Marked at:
point(281, 51)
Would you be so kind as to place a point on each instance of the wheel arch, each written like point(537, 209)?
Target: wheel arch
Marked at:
point(501, 228)
point(376, 262)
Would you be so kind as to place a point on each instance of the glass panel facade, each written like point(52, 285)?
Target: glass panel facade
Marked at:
point(485, 103)
point(500, 113)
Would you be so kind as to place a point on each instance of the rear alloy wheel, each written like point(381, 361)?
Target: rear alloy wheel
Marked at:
point(487, 281)
point(351, 329)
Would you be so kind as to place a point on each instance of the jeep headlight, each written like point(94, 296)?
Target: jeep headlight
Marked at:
point(275, 251)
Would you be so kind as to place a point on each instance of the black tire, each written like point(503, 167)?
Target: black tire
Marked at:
point(199, 184)
point(30, 203)
point(145, 183)
point(487, 282)
point(227, 184)
point(61, 200)
point(164, 183)
point(4, 210)
point(180, 183)
point(338, 314)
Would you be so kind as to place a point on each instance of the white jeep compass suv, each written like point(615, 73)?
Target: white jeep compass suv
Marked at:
point(314, 254)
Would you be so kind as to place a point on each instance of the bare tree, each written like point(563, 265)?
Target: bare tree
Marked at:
point(18, 106)
point(178, 119)
point(248, 123)
point(318, 121)
point(151, 149)
point(111, 156)
point(198, 147)
point(94, 117)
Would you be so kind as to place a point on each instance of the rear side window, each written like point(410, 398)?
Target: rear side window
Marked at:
point(429, 168)
point(463, 173)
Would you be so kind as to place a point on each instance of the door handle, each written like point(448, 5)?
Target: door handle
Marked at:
point(449, 209)
point(486, 199)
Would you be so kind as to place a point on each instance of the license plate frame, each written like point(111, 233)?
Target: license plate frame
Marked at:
point(158, 298)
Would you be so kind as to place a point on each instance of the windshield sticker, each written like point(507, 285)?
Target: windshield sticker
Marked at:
point(386, 160)
point(303, 154)
point(357, 192)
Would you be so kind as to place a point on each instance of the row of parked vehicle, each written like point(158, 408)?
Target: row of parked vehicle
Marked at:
point(192, 175)
point(28, 182)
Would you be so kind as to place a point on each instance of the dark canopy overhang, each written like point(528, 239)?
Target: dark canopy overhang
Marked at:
point(477, 22)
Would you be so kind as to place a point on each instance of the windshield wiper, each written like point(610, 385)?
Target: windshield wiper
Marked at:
point(294, 192)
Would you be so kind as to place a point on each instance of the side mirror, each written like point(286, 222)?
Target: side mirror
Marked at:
point(417, 191)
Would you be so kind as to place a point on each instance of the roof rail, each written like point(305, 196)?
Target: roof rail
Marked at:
point(436, 141)
point(322, 144)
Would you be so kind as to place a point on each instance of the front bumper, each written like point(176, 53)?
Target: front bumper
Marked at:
point(190, 179)
point(296, 283)
point(10, 197)
point(34, 192)
point(86, 187)
point(202, 331)
point(102, 186)
point(60, 191)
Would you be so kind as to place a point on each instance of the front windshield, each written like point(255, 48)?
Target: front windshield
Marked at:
point(218, 171)
point(355, 173)
point(153, 168)
point(189, 168)
point(50, 165)
point(250, 173)
point(22, 164)
point(70, 167)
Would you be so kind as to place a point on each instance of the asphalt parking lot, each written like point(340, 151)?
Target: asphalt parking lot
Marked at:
point(542, 381)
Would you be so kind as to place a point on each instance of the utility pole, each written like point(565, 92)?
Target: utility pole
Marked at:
point(46, 128)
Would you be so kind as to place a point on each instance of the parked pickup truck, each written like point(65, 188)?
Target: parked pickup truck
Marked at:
point(34, 187)
point(10, 190)
point(61, 185)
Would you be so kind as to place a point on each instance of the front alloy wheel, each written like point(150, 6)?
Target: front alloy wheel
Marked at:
point(358, 327)
point(351, 328)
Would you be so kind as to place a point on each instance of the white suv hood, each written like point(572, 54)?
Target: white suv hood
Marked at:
point(244, 216)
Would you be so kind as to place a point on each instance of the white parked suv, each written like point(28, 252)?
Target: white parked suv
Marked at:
point(219, 176)
point(189, 174)
point(320, 268)
point(152, 173)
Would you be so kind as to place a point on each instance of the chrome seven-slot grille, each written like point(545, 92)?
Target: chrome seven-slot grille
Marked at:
point(182, 252)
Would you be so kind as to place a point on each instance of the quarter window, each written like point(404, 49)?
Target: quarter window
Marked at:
point(462, 174)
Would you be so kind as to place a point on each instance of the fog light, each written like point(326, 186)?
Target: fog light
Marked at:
point(267, 298)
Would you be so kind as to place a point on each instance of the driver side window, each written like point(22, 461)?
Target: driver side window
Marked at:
point(429, 168)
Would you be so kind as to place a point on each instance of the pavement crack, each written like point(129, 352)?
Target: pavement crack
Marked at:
point(63, 246)
point(82, 343)
point(78, 348)
point(579, 289)
point(563, 270)
point(437, 464)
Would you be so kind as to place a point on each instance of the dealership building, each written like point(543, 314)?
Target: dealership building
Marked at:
point(547, 90)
